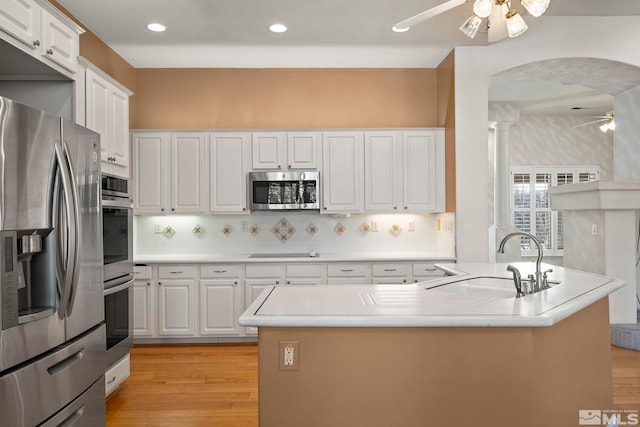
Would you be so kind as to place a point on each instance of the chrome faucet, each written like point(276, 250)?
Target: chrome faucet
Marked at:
point(539, 281)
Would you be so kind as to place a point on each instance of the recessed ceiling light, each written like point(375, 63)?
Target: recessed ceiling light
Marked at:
point(154, 26)
point(400, 29)
point(278, 28)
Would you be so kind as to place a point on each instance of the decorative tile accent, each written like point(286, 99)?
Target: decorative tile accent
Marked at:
point(227, 230)
point(254, 230)
point(168, 231)
point(395, 229)
point(339, 229)
point(283, 230)
point(197, 231)
point(364, 228)
point(312, 229)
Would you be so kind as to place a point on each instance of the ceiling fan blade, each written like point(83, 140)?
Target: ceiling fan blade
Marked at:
point(590, 123)
point(429, 13)
point(497, 25)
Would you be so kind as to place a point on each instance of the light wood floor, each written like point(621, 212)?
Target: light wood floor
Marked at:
point(217, 385)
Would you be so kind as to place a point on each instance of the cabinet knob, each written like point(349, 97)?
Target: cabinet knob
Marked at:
point(36, 42)
point(406, 207)
point(172, 209)
point(279, 167)
point(244, 209)
point(395, 207)
point(49, 51)
point(235, 283)
point(404, 280)
point(148, 283)
point(162, 209)
point(289, 166)
point(325, 208)
point(277, 282)
point(288, 282)
point(160, 283)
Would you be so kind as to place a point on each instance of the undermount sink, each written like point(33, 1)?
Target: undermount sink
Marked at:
point(498, 287)
point(286, 255)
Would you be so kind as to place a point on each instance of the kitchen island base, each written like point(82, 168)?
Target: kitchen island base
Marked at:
point(437, 376)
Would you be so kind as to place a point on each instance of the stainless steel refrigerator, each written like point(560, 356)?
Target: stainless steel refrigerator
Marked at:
point(52, 336)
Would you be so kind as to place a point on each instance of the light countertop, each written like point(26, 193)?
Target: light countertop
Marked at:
point(319, 257)
point(487, 299)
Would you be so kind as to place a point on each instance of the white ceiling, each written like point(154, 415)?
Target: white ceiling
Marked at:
point(322, 33)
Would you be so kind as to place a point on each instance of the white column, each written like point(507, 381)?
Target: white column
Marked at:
point(502, 196)
point(502, 175)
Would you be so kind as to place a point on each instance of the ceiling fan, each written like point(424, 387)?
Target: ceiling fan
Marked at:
point(503, 20)
point(607, 120)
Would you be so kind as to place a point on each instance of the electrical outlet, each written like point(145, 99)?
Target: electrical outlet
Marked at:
point(158, 229)
point(594, 229)
point(412, 226)
point(288, 355)
point(374, 226)
point(245, 225)
point(438, 225)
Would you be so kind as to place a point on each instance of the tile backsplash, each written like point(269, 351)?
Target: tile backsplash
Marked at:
point(294, 232)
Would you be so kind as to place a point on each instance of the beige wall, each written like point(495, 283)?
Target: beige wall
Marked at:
point(285, 98)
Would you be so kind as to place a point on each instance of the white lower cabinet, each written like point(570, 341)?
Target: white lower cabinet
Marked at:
point(116, 373)
point(221, 299)
point(203, 302)
point(145, 303)
point(176, 301)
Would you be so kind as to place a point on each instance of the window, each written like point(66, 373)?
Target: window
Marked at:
point(531, 204)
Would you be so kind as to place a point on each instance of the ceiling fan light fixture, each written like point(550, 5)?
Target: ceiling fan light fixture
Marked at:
point(535, 7)
point(156, 27)
point(471, 26)
point(483, 8)
point(515, 24)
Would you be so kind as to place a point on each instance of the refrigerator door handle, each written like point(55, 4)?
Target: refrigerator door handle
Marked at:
point(77, 233)
point(71, 253)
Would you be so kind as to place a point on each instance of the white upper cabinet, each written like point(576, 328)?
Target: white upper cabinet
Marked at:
point(150, 171)
point(169, 175)
point(341, 175)
point(382, 171)
point(404, 171)
point(42, 31)
point(188, 173)
point(423, 166)
point(107, 112)
point(284, 150)
point(228, 154)
point(60, 44)
point(21, 19)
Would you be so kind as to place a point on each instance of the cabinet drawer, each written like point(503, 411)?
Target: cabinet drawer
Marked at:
point(347, 270)
point(212, 271)
point(426, 269)
point(264, 270)
point(176, 271)
point(116, 374)
point(304, 270)
point(391, 269)
point(142, 272)
point(348, 281)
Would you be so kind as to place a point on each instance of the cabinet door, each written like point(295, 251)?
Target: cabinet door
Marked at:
point(21, 19)
point(423, 158)
point(144, 308)
point(220, 306)
point(382, 171)
point(59, 42)
point(228, 153)
point(98, 109)
point(119, 144)
point(268, 150)
point(342, 172)
point(188, 175)
point(176, 316)
point(150, 172)
point(302, 150)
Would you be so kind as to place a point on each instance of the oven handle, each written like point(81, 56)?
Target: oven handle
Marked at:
point(118, 288)
point(122, 203)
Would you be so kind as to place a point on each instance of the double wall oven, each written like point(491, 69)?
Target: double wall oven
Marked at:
point(117, 234)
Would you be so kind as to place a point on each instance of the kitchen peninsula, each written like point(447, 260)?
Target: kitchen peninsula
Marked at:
point(454, 351)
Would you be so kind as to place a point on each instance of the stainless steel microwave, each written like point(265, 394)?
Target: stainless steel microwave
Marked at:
point(298, 190)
